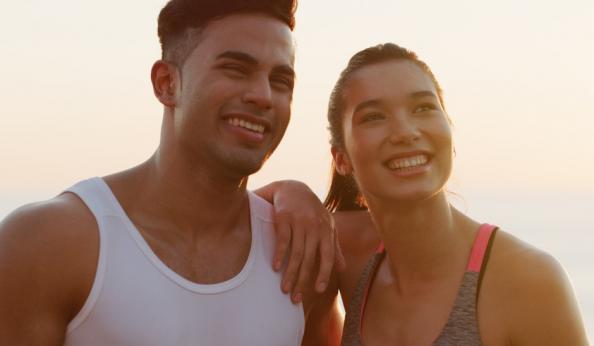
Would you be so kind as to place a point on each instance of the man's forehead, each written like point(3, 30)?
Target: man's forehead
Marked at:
point(249, 25)
point(261, 37)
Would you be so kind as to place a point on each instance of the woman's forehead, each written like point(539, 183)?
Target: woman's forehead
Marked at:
point(393, 78)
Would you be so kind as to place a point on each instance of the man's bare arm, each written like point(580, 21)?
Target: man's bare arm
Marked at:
point(305, 230)
point(47, 259)
point(323, 317)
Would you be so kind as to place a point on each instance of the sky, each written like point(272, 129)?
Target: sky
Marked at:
point(517, 75)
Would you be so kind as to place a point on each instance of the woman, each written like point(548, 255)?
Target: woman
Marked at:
point(418, 271)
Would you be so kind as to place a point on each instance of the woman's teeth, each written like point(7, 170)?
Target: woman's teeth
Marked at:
point(246, 124)
point(408, 162)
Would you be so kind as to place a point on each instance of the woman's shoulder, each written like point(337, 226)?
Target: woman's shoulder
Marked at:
point(527, 293)
point(358, 241)
point(356, 232)
point(522, 264)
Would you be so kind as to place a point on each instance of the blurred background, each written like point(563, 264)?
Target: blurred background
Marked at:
point(77, 102)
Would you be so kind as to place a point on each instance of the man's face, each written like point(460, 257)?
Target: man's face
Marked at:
point(236, 92)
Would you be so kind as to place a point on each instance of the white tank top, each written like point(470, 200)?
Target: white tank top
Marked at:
point(137, 300)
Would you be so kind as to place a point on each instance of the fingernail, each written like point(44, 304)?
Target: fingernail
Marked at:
point(321, 286)
point(277, 265)
point(286, 287)
point(297, 298)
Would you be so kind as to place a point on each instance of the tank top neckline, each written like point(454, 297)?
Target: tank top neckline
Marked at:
point(172, 275)
point(475, 263)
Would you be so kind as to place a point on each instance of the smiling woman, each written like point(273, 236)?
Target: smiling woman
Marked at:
point(415, 264)
point(382, 110)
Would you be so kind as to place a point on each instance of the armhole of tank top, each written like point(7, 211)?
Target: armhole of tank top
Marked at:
point(485, 262)
point(379, 253)
point(97, 280)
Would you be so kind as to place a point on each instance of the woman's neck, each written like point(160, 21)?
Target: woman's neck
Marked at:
point(426, 240)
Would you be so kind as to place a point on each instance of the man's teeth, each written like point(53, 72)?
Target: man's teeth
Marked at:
point(408, 162)
point(246, 124)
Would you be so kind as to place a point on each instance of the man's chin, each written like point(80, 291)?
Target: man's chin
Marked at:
point(244, 168)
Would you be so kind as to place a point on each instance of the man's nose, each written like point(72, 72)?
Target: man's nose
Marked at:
point(259, 93)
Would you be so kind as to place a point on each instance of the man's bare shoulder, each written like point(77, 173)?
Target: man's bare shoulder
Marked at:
point(62, 219)
point(48, 255)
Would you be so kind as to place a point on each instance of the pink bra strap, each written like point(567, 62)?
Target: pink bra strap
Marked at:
point(380, 248)
point(479, 247)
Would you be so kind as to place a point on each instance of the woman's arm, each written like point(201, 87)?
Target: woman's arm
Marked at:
point(527, 295)
point(547, 313)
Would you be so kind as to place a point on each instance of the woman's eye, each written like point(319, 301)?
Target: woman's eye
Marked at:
point(425, 107)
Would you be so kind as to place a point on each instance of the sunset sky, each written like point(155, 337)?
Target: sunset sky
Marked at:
point(518, 80)
point(517, 76)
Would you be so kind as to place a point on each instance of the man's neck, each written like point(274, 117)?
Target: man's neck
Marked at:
point(172, 195)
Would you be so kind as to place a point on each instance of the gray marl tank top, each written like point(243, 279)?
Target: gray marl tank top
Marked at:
point(461, 328)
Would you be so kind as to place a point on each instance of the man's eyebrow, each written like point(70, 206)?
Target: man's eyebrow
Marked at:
point(286, 70)
point(250, 60)
point(423, 93)
point(367, 103)
point(246, 58)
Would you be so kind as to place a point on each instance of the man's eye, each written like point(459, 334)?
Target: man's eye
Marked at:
point(283, 82)
point(372, 116)
point(235, 68)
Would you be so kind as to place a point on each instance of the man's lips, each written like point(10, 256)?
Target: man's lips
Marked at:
point(254, 123)
point(258, 128)
point(249, 128)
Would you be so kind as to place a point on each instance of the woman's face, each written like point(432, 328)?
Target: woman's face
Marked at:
point(397, 138)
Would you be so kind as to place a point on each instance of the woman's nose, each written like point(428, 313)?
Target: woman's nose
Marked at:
point(403, 129)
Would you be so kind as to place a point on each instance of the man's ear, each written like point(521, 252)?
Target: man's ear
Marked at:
point(165, 79)
point(341, 161)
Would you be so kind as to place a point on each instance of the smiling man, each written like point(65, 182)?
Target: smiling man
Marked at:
point(174, 251)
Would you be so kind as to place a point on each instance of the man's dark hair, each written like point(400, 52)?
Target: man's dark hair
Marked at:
point(181, 21)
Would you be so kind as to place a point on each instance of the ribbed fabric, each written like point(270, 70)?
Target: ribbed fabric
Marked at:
point(137, 300)
point(461, 328)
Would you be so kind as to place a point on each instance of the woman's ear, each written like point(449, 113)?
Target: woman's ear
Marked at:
point(341, 161)
point(165, 79)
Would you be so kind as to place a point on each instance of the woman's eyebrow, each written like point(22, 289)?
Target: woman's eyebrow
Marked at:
point(367, 103)
point(422, 93)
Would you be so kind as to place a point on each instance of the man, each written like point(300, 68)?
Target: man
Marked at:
point(175, 251)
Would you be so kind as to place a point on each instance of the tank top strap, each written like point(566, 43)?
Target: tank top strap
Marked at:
point(480, 247)
point(97, 196)
point(372, 270)
point(351, 333)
